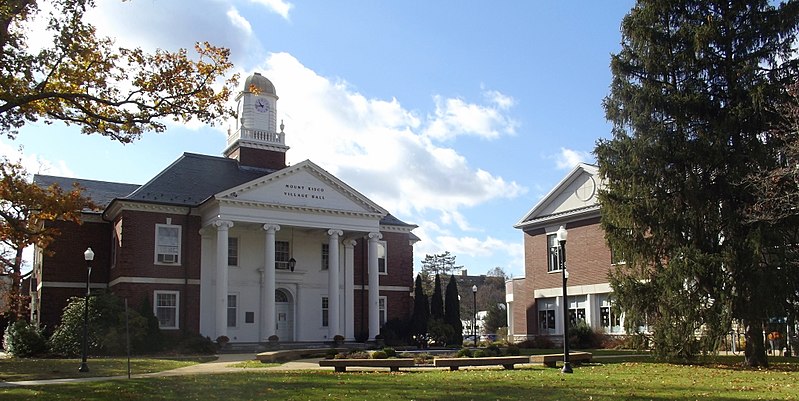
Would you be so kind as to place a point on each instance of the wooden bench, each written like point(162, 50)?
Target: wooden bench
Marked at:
point(454, 363)
point(286, 355)
point(341, 365)
point(551, 359)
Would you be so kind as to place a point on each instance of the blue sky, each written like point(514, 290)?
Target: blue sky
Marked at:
point(457, 116)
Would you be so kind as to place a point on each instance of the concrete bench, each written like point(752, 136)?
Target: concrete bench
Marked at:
point(286, 355)
point(454, 363)
point(551, 359)
point(393, 364)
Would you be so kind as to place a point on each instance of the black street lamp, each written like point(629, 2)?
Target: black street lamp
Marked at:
point(474, 314)
point(561, 237)
point(88, 256)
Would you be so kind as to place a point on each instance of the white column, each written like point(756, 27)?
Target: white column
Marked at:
point(222, 227)
point(349, 289)
point(333, 296)
point(268, 321)
point(374, 286)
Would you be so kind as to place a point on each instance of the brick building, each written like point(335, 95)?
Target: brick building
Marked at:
point(535, 300)
point(241, 245)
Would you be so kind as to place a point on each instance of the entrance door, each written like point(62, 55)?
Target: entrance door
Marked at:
point(284, 316)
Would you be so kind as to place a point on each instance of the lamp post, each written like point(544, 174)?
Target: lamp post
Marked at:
point(561, 237)
point(474, 314)
point(88, 256)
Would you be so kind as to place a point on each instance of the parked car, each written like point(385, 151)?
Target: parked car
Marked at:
point(489, 338)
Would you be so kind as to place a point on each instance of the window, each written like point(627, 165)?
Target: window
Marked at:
point(249, 317)
point(167, 244)
point(232, 310)
point(232, 251)
point(325, 312)
point(381, 308)
point(546, 316)
point(282, 255)
point(609, 319)
point(325, 256)
point(553, 262)
point(381, 257)
point(576, 310)
point(166, 309)
point(616, 256)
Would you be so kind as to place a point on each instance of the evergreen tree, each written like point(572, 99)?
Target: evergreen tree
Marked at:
point(691, 102)
point(437, 300)
point(421, 310)
point(452, 312)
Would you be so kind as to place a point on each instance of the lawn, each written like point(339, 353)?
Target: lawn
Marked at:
point(622, 381)
point(14, 369)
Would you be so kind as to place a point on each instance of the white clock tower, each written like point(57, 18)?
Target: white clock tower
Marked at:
point(255, 140)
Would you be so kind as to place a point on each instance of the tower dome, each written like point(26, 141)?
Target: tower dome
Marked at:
point(259, 84)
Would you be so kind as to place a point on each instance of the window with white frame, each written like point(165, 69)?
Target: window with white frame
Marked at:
point(608, 318)
point(381, 309)
point(382, 257)
point(167, 244)
point(576, 310)
point(325, 256)
point(553, 261)
point(232, 251)
point(282, 255)
point(546, 316)
point(165, 307)
point(232, 310)
point(325, 312)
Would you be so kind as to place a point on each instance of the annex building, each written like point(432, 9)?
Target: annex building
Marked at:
point(240, 245)
point(535, 301)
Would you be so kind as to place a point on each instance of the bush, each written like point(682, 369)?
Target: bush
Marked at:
point(24, 340)
point(379, 355)
point(582, 336)
point(395, 332)
point(106, 327)
point(479, 353)
point(390, 352)
point(195, 344)
point(493, 350)
point(538, 342)
point(331, 353)
point(512, 350)
point(464, 353)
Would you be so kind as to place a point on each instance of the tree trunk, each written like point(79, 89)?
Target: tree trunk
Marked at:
point(755, 352)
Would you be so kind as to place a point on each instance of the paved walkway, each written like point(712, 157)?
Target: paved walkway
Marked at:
point(221, 365)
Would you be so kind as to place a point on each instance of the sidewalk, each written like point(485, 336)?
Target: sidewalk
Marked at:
point(221, 365)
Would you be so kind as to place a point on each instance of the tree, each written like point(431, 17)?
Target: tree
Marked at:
point(498, 272)
point(691, 103)
point(452, 311)
point(24, 209)
point(437, 300)
point(421, 311)
point(495, 318)
point(85, 80)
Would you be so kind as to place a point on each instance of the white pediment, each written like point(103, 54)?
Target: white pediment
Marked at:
point(306, 186)
point(575, 193)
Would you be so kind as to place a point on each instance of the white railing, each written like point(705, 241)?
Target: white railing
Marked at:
point(278, 138)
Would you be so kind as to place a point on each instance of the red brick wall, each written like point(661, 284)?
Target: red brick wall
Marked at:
point(64, 260)
point(259, 158)
point(189, 300)
point(587, 260)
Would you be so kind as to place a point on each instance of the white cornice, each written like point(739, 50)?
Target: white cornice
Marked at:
point(138, 206)
point(152, 280)
point(294, 208)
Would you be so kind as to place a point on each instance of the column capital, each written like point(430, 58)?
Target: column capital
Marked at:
point(335, 232)
point(349, 243)
point(222, 225)
point(375, 236)
point(271, 227)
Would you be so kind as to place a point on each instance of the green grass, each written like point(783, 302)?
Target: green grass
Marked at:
point(624, 381)
point(253, 365)
point(14, 369)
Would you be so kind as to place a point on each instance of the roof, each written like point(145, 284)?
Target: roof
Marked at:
point(193, 178)
point(261, 85)
point(100, 192)
point(575, 195)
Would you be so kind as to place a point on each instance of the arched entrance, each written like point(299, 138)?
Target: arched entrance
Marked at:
point(284, 315)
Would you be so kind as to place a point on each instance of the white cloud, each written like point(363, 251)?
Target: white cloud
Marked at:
point(239, 21)
point(568, 158)
point(279, 7)
point(454, 117)
point(33, 163)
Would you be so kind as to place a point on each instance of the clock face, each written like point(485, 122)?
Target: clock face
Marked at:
point(261, 105)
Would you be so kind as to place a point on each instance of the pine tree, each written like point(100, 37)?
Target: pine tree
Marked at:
point(421, 311)
point(437, 300)
point(691, 102)
point(452, 312)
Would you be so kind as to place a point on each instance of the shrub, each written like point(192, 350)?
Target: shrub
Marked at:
point(539, 342)
point(390, 352)
point(464, 353)
point(379, 355)
point(196, 344)
point(439, 331)
point(479, 353)
point(24, 340)
point(583, 336)
point(107, 332)
point(395, 332)
point(493, 350)
point(331, 353)
point(512, 350)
